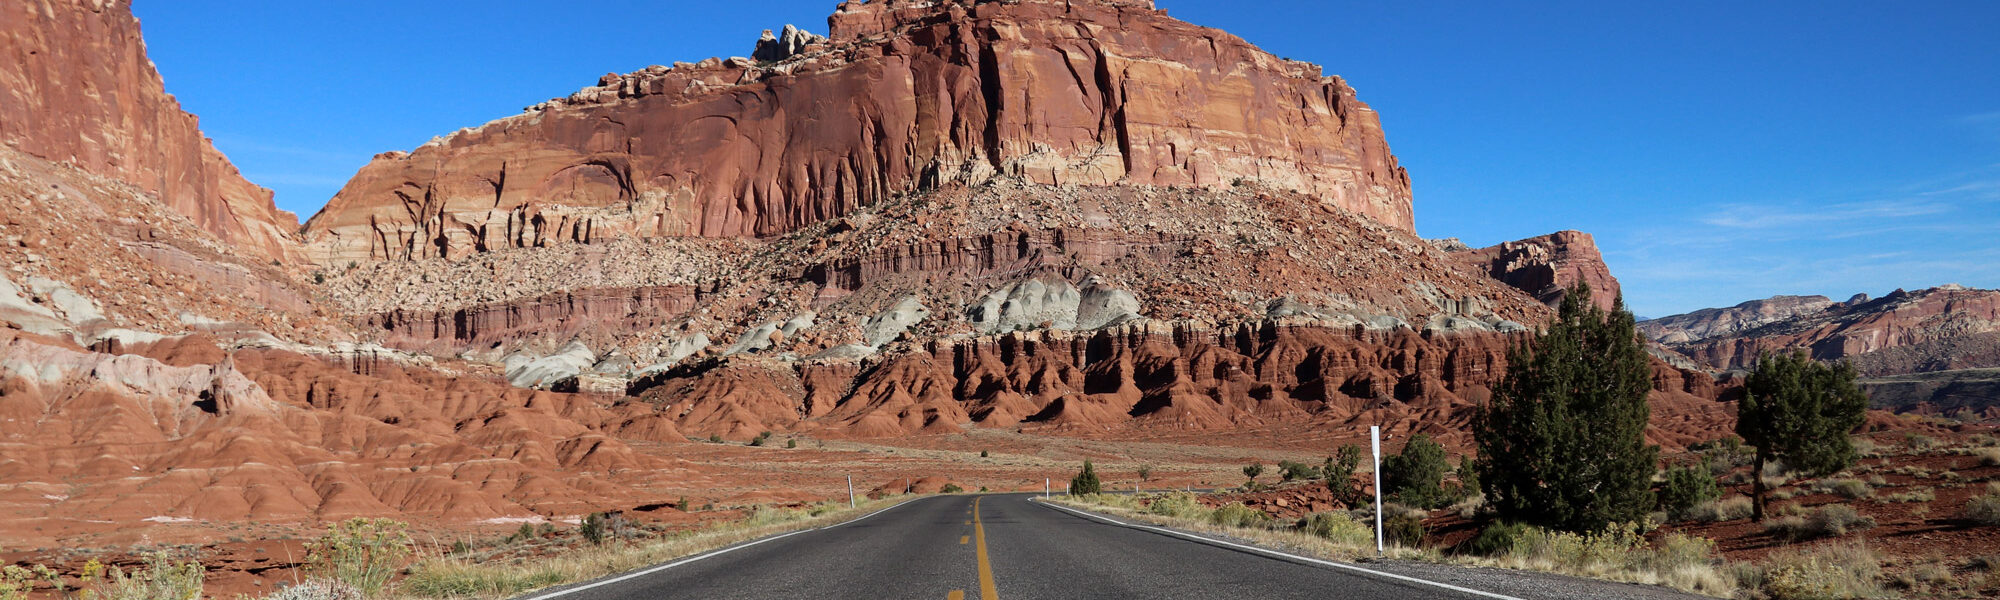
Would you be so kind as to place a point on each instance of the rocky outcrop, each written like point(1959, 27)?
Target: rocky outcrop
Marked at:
point(1718, 322)
point(904, 95)
point(1547, 266)
point(76, 87)
point(1937, 329)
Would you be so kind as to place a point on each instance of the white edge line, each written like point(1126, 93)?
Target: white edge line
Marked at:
point(649, 571)
point(1283, 554)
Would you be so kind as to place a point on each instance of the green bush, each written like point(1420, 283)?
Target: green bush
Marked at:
point(792, 443)
point(1338, 527)
point(1686, 488)
point(1415, 476)
point(952, 488)
point(360, 552)
point(1086, 482)
point(162, 578)
point(1288, 470)
point(1235, 514)
point(1252, 470)
point(600, 527)
point(1339, 470)
point(1497, 539)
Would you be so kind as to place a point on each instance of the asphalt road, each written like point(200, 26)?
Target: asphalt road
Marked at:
point(1006, 546)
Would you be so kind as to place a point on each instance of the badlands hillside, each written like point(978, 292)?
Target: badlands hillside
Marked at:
point(1037, 226)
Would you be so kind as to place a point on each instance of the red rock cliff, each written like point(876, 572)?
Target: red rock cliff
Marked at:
point(76, 86)
point(1546, 266)
point(904, 95)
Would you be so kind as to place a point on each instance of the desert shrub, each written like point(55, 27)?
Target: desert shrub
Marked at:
point(1497, 539)
point(1982, 440)
point(1687, 487)
point(317, 588)
point(1920, 494)
point(1983, 510)
point(17, 581)
point(1288, 470)
point(1832, 520)
point(1252, 470)
point(162, 578)
point(1919, 443)
point(1404, 529)
point(1415, 476)
point(1829, 572)
point(1606, 550)
point(1866, 448)
point(952, 488)
point(715, 438)
point(770, 515)
point(1726, 509)
point(792, 443)
point(1235, 514)
point(600, 527)
point(1338, 527)
point(1852, 489)
point(1145, 472)
point(1989, 457)
point(360, 552)
point(1784, 494)
point(1877, 480)
point(1339, 470)
point(1179, 505)
point(1086, 481)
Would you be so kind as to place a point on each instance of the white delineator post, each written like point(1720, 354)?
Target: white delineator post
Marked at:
point(850, 491)
point(1375, 443)
point(1045, 488)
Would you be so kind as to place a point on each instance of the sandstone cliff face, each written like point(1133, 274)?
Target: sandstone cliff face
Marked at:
point(1941, 328)
point(903, 96)
point(76, 86)
point(1547, 266)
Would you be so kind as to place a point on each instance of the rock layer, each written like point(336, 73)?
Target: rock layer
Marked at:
point(904, 95)
point(76, 87)
point(1937, 329)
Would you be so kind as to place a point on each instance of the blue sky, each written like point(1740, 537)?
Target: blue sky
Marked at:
point(1719, 151)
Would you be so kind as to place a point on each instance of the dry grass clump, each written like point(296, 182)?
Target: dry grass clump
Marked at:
point(1988, 457)
point(1832, 520)
point(1985, 509)
point(1725, 509)
point(1620, 554)
point(1915, 494)
point(1852, 489)
point(1827, 572)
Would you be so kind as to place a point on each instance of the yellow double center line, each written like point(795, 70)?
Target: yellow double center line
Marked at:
point(986, 589)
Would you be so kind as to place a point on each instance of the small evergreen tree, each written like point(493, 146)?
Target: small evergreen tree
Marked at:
point(1415, 476)
point(1339, 471)
point(1468, 478)
point(1086, 482)
point(1687, 486)
point(1252, 471)
point(1145, 472)
point(1800, 411)
point(1562, 443)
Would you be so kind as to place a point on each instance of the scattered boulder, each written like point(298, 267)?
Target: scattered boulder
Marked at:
point(773, 48)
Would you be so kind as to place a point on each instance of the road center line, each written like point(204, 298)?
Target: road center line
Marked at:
point(987, 591)
point(1270, 552)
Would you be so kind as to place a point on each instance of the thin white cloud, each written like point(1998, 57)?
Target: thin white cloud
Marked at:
point(1754, 216)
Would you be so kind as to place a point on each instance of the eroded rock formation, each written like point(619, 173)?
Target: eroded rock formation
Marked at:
point(1547, 266)
point(1937, 329)
point(903, 96)
point(76, 87)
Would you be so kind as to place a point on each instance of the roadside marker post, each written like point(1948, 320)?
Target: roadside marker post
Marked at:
point(850, 491)
point(1045, 488)
point(1375, 443)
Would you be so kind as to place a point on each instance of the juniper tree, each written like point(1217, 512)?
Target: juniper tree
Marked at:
point(1339, 470)
point(1799, 411)
point(1415, 476)
point(1085, 482)
point(1562, 442)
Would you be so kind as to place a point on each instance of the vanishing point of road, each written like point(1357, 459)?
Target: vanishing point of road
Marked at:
point(1010, 546)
